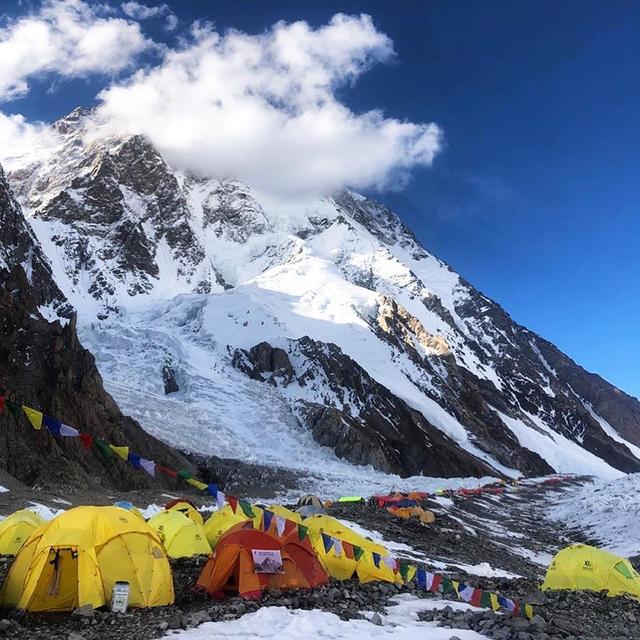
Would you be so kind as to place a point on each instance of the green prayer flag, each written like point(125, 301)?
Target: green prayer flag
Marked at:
point(246, 508)
point(485, 600)
point(447, 587)
point(302, 531)
point(103, 447)
point(14, 409)
point(185, 475)
point(404, 569)
point(357, 552)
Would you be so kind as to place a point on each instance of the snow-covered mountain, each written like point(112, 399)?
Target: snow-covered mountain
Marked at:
point(230, 323)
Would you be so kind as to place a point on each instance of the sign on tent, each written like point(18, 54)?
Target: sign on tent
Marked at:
point(267, 561)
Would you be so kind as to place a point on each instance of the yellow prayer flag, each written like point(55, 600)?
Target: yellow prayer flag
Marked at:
point(411, 573)
point(495, 605)
point(123, 452)
point(528, 611)
point(35, 417)
point(197, 484)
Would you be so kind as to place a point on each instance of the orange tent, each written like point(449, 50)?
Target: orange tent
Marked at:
point(231, 568)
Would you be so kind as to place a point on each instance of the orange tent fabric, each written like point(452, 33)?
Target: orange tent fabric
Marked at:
point(231, 567)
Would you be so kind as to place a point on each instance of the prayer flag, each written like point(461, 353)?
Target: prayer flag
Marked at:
point(246, 509)
point(149, 466)
point(201, 486)
point(34, 416)
point(87, 440)
point(14, 409)
point(167, 472)
point(134, 459)
point(121, 452)
point(68, 432)
point(52, 424)
point(103, 447)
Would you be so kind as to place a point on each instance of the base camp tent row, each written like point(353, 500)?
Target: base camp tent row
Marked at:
point(76, 559)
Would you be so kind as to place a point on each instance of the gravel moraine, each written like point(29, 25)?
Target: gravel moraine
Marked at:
point(481, 529)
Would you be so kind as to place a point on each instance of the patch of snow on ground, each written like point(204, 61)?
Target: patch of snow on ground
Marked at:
point(43, 511)
point(3, 489)
point(608, 511)
point(485, 570)
point(151, 511)
point(400, 623)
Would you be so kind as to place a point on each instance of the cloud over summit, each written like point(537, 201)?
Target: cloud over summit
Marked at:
point(261, 107)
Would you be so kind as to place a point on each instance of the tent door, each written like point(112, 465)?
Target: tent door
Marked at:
point(57, 587)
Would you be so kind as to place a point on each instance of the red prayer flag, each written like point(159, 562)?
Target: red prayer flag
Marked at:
point(87, 440)
point(476, 598)
point(289, 526)
point(347, 547)
point(2, 399)
point(233, 502)
point(167, 472)
point(437, 581)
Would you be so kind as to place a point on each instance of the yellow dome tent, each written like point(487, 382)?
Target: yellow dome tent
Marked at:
point(180, 535)
point(16, 528)
point(223, 519)
point(342, 567)
point(283, 512)
point(187, 509)
point(76, 559)
point(581, 567)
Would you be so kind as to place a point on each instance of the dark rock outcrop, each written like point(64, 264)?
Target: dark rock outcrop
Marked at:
point(46, 367)
point(371, 425)
point(169, 379)
point(19, 246)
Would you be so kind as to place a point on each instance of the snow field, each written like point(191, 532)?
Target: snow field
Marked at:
point(400, 623)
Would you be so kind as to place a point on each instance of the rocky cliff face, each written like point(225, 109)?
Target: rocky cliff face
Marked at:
point(45, 366)
point(19, 246)
point(327, 314)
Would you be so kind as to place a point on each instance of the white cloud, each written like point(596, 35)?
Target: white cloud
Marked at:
point(68, 38)
point(139, 11)
point(19, 138)
point(264, 108)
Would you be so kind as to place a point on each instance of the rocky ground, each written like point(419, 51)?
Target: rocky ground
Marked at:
point(508, 532)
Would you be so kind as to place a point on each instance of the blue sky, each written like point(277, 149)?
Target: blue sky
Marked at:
point(535, 197)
